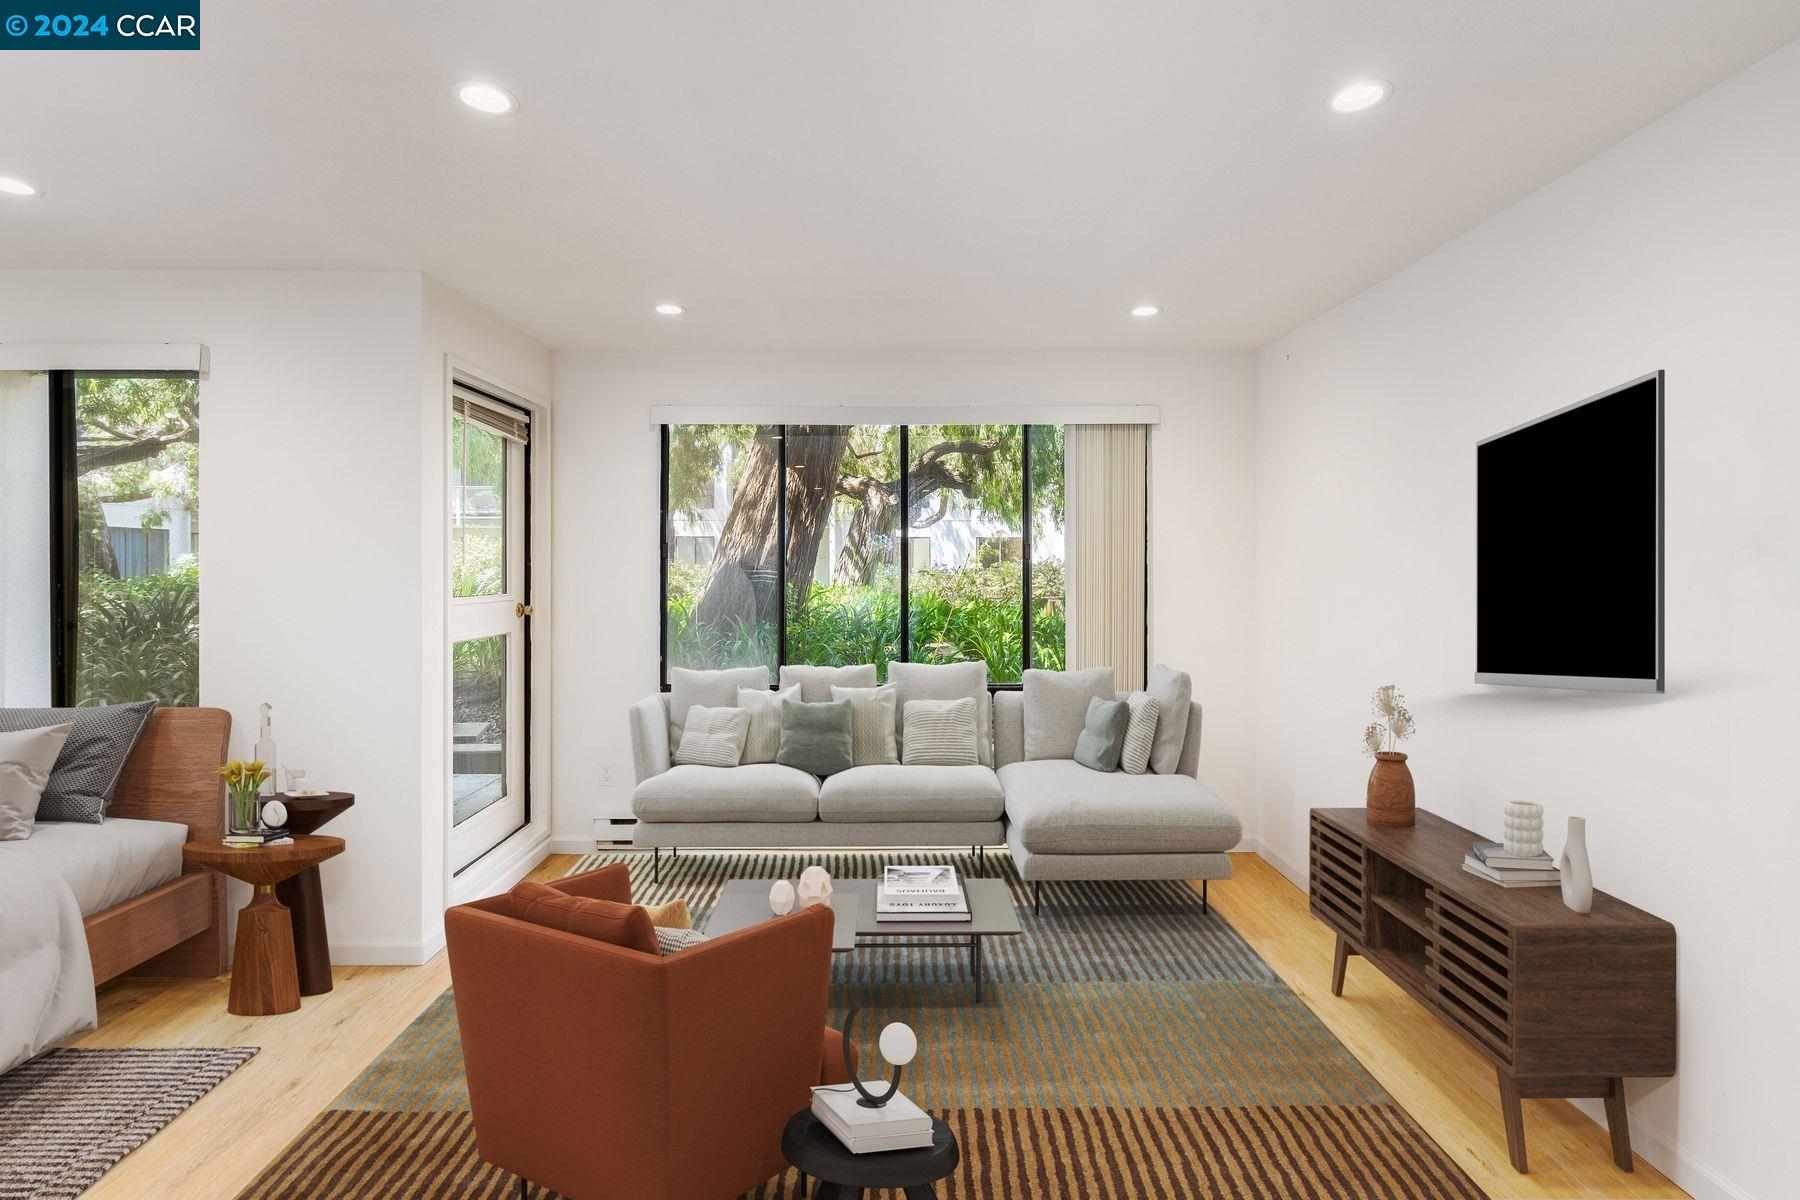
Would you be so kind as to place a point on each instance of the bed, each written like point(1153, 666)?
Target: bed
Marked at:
point(81, 904)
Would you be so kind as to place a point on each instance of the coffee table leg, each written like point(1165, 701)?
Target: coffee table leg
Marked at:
point(975, 964)
point(263, 979)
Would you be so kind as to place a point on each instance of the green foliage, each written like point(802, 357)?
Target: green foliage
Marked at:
point(139, 638)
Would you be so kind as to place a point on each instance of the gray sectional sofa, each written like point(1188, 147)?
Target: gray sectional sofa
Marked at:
point(1060, 820)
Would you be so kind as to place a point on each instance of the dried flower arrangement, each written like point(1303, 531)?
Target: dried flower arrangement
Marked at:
point(1396, 724)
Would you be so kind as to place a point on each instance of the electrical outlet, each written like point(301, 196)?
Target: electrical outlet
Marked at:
point(605, 776)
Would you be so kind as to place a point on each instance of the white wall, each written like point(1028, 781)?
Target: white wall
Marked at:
point(316, 504)
point(607, 504)
point(24, 539)
point(1679, 249)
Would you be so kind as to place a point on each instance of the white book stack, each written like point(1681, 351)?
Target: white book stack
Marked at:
point(1491, 862)
point(920, 894)
point(897, 1125)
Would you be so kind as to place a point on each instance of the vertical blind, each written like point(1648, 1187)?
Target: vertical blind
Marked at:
point(1105, 530)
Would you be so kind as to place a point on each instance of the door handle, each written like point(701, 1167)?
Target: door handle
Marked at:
point(521, 609)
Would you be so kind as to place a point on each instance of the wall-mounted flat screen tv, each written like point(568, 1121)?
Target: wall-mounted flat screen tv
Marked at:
point(1569, 556)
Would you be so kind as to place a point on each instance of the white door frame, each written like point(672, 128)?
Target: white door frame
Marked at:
point(508, 862)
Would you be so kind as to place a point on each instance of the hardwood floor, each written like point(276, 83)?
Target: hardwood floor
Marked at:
point(215, 1148)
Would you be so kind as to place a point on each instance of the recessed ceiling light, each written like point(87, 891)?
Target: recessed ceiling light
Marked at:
point(16, 187)
point(670, 310)
point(1146, 310)
point(487, 97)
point(1363, 94)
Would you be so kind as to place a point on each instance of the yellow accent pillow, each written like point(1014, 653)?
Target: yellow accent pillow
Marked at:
point(673, 915)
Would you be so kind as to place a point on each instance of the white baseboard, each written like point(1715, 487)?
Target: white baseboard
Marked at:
point(1294, 875)
point(385, 952)
point(573, 845)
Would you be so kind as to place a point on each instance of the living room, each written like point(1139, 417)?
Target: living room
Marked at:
point(1264, 528)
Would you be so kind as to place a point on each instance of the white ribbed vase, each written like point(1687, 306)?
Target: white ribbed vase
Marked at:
point(1524, 824)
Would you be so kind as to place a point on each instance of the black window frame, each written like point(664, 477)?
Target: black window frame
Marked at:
point(663, 538)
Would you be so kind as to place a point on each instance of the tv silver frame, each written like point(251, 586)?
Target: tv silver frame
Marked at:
point(1589, 683)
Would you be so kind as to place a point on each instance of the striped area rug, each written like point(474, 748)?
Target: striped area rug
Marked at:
point(1130, 1046)
point(68, 1115)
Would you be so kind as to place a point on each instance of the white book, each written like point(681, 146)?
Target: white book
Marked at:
point(1512, 879)
point(881, 916)
point(923, 882)
point(897, 1125)
point(889, 902)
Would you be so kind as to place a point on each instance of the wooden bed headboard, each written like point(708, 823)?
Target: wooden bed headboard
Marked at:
point(173, 774)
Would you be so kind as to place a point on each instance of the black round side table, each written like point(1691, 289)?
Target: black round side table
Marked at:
point(816, 1151)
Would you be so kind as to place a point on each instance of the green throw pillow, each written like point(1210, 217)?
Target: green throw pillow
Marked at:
point(816, 737)
point(1103, 738)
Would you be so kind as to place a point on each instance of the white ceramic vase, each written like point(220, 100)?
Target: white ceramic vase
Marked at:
point(1524, 824)
point(1577, 875)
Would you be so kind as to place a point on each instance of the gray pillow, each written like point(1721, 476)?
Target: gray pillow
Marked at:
point(26, 759)
point(943, 733)
point(714, 737)
point(1102, 737)
point(1056, 705)
point(86, 772)
point(707, 689)
point(816, 738)
point(1140, 733)
point(815, 683)
point(946, 681)
point(1174, 692)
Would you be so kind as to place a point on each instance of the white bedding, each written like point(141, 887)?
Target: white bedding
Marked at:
point(49, 882)
point(104, 864)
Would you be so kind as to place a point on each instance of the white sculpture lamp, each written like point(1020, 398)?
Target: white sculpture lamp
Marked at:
point(898, 1044)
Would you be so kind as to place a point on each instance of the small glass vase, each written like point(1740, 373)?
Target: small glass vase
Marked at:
point(243, 812)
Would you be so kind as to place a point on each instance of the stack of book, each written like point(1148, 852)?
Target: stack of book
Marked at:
point(261, 837)
point(920, 894)
point(1491, 862)
point(897, 1125)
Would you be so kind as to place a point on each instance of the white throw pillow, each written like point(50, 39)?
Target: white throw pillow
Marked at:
point(1140, 733)
point(714, 737)
point(764, 708)
point(710, 689)
point(26, 759)
point(946, 681)
point(1174, 691)
point(942, 733)
point(1056, 705)
point(815, 683)
point(872, 723)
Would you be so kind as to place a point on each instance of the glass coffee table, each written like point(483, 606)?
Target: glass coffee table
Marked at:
point(745, 902)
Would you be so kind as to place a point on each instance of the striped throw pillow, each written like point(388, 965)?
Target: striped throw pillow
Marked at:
point(871, 723)
point(714, 737)
point(1140, 732)
point(940, 733)
point(764, 708)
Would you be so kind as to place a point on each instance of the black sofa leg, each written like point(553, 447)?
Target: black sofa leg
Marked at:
point(656, 864)
point(1037, 899)
point(1203, 908)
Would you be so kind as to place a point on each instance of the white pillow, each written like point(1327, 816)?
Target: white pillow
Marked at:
point(764, 708)
point(871, 723)
point(714, 737)
point(1174, 691)
point(815, 683)
point(26, 759)
point(1140, 733)
point(942, 733)
point(1056, 705)
point(947, 681)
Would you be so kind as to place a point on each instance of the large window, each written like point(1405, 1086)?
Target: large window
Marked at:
point(833, 544)
point(106, 465)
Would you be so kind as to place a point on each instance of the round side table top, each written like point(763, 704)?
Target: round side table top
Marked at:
point(812, 1147)
point(307, 813)
point(264, 865)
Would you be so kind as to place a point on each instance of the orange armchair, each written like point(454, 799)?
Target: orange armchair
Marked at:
point(601, 1072)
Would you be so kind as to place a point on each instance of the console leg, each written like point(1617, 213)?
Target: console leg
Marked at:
point(1617, 1124)
point(1513, 1113)
point(1340, 958)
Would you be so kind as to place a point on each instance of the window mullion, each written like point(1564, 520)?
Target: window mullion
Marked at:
point(781, 548)
point(1025, 550)
point(905, 544)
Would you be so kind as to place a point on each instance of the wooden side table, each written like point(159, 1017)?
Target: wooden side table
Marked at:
point(303, 896)
point(816, 1151)
point(264, 980)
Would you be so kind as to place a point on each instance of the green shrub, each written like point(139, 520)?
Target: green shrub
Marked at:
point(139, 639)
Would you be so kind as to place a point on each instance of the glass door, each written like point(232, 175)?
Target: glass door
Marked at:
point(490, 613)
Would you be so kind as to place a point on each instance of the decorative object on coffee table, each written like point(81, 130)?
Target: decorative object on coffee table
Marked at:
point(898, 1045)
point(1390, 781)
point(1524, 825)
point(243, 782)
point(842, 1174)
point(781, 897)
point(1577, 873)
point(814, 887)
point(303, 893)
point(264, 979)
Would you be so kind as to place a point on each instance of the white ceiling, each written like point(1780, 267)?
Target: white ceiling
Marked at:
point(847, 173)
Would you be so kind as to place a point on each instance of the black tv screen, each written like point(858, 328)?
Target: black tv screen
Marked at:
point(1569, 546)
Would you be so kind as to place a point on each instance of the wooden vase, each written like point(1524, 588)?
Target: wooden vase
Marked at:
point(1390, 790)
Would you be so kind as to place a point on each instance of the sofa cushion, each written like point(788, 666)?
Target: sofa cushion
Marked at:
point(709, 689)
point(947, 681)
point(898, 793)
point(1103, 737)
point(815, 683)
point(1056, 706)
point(1061, 807)
point(758, 792)
point(1174, 691)
point(625, 925)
